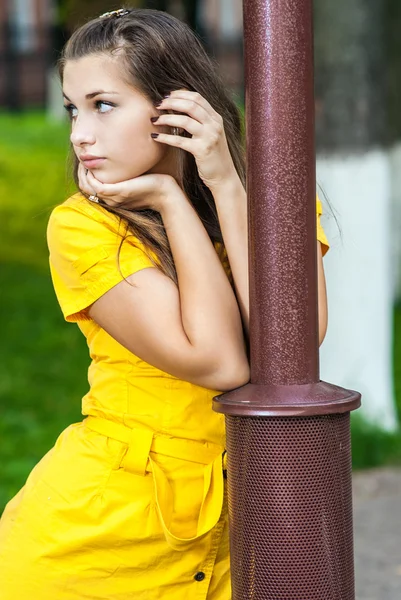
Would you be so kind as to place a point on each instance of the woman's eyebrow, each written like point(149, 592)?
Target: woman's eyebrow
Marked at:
point(92, 95)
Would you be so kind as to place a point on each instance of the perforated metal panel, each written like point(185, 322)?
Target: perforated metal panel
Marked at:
point(290, 507)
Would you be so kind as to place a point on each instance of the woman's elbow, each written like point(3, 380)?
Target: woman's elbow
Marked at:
point(233, 376)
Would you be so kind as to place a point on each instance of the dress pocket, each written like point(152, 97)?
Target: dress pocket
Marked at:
point(189, 498)
point(80, 466)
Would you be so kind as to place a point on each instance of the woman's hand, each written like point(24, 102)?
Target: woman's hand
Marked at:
point(208, 143)
point(146, 191)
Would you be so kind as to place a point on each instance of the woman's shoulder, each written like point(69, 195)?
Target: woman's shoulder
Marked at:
point(77, 225)
point(78, 215)
point(78, 205)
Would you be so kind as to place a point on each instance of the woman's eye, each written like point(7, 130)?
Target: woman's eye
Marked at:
point(100, 105)
point(70, 108)
point(104, 106)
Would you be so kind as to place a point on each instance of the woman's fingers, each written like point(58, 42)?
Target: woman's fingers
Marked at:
point(192, 97)
point(182, 121)
point(117, 192)
point(189, 107)
point(83, 181)
point(145, 191)
point(99, 188)
point(177, 141)
point(201, 121)
point(209, 146)
point(90, 185)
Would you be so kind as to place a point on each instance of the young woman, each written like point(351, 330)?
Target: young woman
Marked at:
point(130, 503)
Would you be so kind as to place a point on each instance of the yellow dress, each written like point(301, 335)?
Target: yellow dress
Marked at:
point(130, 503)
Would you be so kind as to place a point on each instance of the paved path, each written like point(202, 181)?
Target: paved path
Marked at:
point(377, 540)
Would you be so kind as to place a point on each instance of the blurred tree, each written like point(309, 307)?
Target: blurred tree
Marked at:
point(350, 73)
point(185, 9)
point(156, 4)
point(393, 68)
point(191, 12)
point(76, 12)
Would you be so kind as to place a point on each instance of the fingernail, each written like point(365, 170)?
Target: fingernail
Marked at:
point(154, 119)
point(154, 135)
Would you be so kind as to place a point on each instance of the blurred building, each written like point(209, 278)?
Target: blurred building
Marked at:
point(26, 50)
point(29, 43)
point(221, 21)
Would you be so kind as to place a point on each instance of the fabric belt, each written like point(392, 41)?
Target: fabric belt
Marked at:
point(142, 443)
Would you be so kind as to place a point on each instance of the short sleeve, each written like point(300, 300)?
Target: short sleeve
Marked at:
point(320, 234)
point(87, 255)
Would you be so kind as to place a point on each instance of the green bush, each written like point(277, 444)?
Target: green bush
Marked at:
point(43, 359)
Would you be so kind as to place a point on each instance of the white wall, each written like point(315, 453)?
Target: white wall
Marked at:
point(357, 350)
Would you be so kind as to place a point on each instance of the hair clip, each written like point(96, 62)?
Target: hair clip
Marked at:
point(121, 12)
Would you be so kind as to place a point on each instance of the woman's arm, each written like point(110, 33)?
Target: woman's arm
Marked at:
point(231, 204)
point(192, 331)
point(209, 310)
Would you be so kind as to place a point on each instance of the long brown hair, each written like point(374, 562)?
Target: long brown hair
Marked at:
point(161, 54)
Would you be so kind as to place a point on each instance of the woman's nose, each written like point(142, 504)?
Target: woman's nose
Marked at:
point(81, 135)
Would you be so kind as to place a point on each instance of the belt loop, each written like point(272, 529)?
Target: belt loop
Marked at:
point(136, 458)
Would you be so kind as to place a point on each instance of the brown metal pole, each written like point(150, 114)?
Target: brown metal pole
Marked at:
point(288, 433)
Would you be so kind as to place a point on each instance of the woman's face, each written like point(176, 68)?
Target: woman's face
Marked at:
point(111, 120)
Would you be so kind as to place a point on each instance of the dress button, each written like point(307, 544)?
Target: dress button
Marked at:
point(200, 576)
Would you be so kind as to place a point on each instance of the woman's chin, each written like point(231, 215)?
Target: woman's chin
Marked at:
point(106, 177)
point(110, 177)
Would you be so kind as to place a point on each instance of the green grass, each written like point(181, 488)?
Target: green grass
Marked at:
point(43, 359)
point(33, 179)
point(42, 373)
point(371, 446)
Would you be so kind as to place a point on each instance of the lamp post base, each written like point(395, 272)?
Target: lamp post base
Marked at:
point(290, 493)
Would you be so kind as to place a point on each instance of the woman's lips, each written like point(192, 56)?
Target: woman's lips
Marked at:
point(93, 162)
